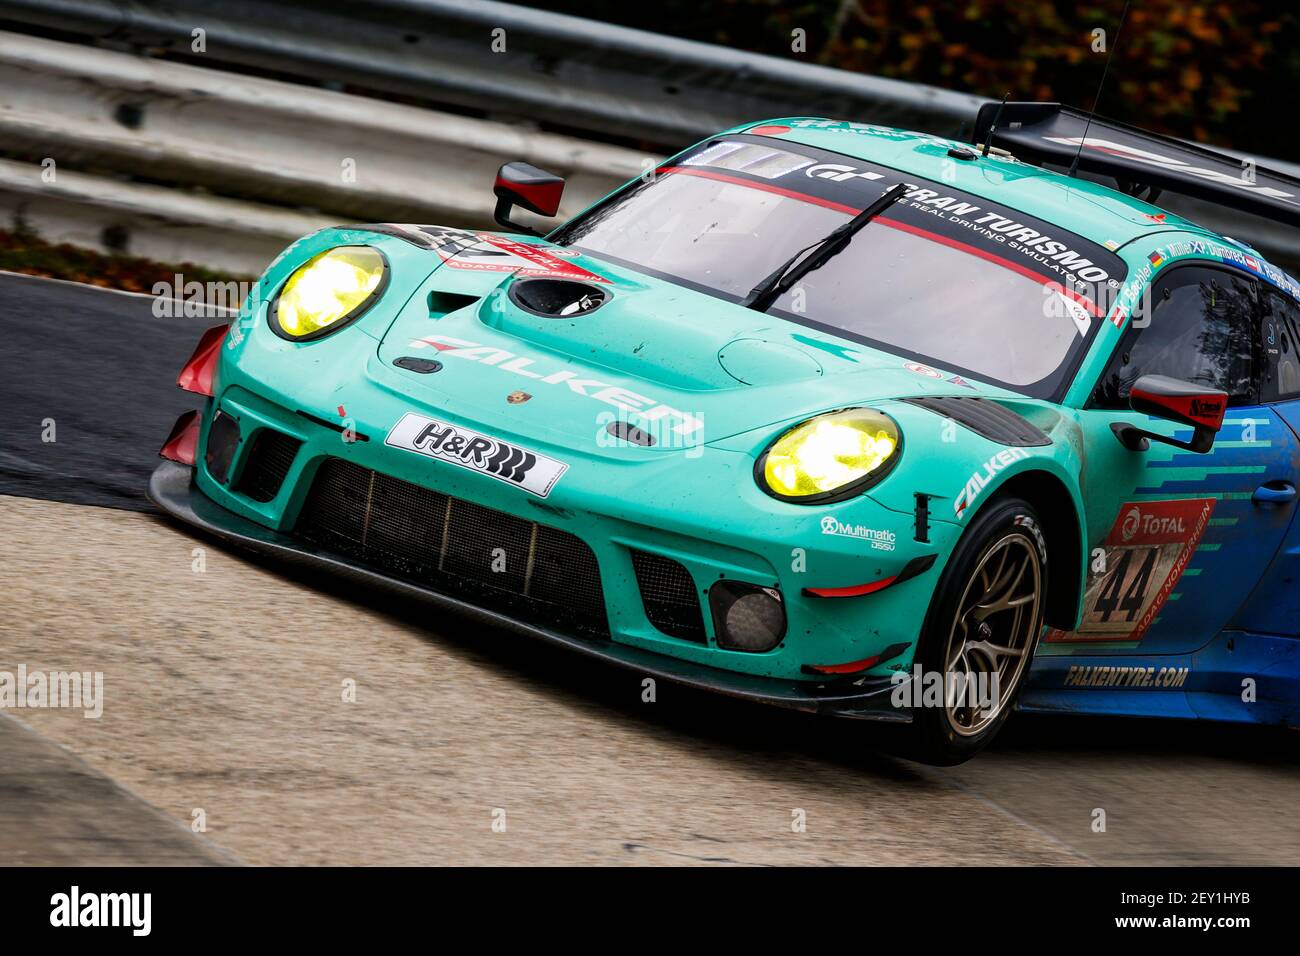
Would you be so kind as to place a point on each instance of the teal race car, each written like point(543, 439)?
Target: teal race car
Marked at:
point(835, 416)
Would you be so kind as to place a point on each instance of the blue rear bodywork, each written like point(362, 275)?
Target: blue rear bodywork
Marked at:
point(1230, 631)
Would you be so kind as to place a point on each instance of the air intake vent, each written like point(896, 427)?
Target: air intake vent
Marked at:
point(668, 595)
point(630, 433)
point(987, 418)
point(441, 303)
point(490, 558)
point(269, 460)
point(557, 298)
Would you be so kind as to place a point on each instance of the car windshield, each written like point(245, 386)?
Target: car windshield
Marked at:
point(941, 277)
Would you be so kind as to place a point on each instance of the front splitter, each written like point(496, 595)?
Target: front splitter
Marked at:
point(171, 488)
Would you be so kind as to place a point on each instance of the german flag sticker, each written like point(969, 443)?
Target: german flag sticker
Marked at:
point(1156, 258)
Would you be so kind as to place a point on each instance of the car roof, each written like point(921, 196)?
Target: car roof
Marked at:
point(1089, 209)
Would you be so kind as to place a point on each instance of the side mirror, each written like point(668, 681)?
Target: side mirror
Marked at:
point(521, 184)
point(1174, 401)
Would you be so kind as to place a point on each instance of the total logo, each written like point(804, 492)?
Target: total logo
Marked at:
point(977, 482)
point(1132, 521)
point(646, 409)
point(880, 540)
point(1137, 522)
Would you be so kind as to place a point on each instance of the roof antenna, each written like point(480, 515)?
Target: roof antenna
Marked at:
point(1074, 166)
point(988, 140)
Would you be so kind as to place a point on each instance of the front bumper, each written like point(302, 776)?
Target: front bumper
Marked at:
point(172, 489)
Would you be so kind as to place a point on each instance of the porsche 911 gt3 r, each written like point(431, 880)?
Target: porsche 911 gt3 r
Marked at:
point(813, 413)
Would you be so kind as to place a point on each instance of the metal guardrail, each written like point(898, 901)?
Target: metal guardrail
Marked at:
point(252, 162)
point(161, 223)
point(591, 84)
point(572, 73)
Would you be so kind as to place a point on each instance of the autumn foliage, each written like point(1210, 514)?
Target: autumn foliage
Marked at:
point(1214, 72)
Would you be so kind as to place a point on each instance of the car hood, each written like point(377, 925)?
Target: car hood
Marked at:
point(685, 367)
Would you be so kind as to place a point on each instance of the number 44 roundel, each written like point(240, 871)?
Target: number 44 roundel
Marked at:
point(1141, 560)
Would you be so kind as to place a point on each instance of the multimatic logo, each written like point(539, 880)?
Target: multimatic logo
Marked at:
point(880, 540)
point(469, 449)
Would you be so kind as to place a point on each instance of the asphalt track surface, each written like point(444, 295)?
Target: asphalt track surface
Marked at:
point(223, 695)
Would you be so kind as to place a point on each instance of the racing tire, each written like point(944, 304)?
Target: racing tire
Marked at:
point(985, 618)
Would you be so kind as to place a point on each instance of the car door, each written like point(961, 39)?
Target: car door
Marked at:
point(1178, 540)
point(1274, 605)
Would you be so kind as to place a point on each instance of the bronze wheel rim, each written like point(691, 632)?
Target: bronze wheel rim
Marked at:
point(992, 635)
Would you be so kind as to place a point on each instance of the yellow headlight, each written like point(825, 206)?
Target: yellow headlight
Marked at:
point(327, 289)
point(829, 452)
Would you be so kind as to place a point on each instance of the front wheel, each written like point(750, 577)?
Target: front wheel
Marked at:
point(980, 634)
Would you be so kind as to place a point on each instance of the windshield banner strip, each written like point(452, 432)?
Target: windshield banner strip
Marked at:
point(993, 258)
point(764, 186)
point(893, 223)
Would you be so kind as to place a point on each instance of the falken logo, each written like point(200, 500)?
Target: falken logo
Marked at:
point(977, 482)
point(1201, 408)
point(880, 540)
point(646, 409)
point(477, 452)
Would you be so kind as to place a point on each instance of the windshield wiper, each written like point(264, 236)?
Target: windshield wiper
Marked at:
point(762, 296)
